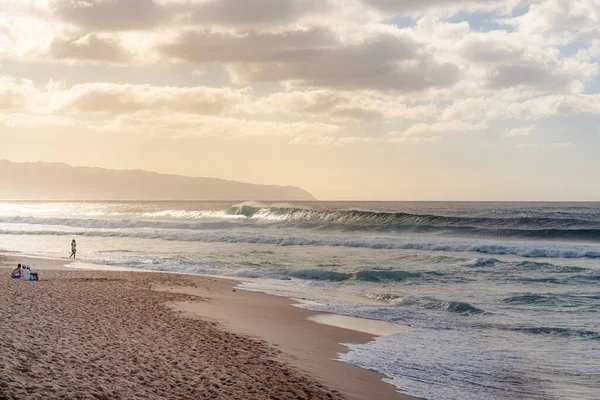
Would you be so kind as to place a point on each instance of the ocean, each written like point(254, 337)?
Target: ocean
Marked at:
point(503, 298)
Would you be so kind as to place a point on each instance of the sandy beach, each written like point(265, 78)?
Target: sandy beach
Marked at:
point(80, 334)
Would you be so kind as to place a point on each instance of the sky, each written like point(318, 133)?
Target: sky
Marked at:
point(348, 99)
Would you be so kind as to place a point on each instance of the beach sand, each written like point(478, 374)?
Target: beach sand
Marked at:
point(80, 334)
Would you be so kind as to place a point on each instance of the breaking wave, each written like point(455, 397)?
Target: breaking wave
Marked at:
point(458, 307)
point(353, 219)
point(366, 217)
point(254, 215)
point(364, 276)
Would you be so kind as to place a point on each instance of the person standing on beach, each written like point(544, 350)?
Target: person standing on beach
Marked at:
point(73, 249)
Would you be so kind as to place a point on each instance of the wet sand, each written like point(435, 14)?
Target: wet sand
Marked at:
point(81, 334)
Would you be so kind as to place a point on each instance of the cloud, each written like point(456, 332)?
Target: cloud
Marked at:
point(255, 12)
point(476, 109)
point(565, 18)
point(341, 105)
point(525, 131)
point(15, 94)
point(384, 60)
point(509, 60)
point(331, 62)
point(110, 15)
point(105, 101)
point(527, 146)
point(202, 47)
point(193, 125)
point(138, 15)
point(556, 105)
point(21, 120)
point(530, 74)
point(591, 52)
point(318, 140)
point(414, 6)
point(88, 48)
point(415, 140)
point(437, 128)
point(513, 106)
point(125, 99)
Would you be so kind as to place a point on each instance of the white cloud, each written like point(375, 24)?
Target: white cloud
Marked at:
point(88, 48)
point(524, 131)
point(380, 60)
point(512, 106)
point(565, 20)
point(553, 105)
point(332, 62)
point(438, 128)
point(114, 99)
point(360, 140)
point(15, 94)
point(341, 105)
point(417, 7)
point(256, 12)
point(110, 15)
point(126, 98)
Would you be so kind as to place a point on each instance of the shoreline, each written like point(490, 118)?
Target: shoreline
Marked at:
point(306, 341)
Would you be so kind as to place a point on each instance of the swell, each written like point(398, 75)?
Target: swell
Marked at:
point(119, 224)
point(342, 220)
point(231, 236)
point(557, 331)
point(553, 299)
point(364, 275)
point(501, 266)
point(401, 222)
point(458, 307)
point(399, 219)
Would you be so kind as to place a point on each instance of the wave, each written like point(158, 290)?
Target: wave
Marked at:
point(368, 217)
point(458, 307)
point(551, 299)
point(534, 250)
point(558, 331)
point(385, 297)
point(320, 275)
point(364, 276)
point(255, 215)
point(531, 298)
point(495, 264)
point(381, 276)
point(400, 222)
point(121, 223)
point(563, 280)
point(484, 263)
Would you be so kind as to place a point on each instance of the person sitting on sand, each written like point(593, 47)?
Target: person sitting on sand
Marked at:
point(28, 275)
point(16, 273)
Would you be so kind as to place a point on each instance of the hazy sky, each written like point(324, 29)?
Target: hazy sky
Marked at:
point(349, 99)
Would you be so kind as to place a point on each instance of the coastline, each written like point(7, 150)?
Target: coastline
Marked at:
point(298, 352)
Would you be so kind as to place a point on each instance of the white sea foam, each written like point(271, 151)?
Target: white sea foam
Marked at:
point(226, 232)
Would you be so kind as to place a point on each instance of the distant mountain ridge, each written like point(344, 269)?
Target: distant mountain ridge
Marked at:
point(57, 181)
